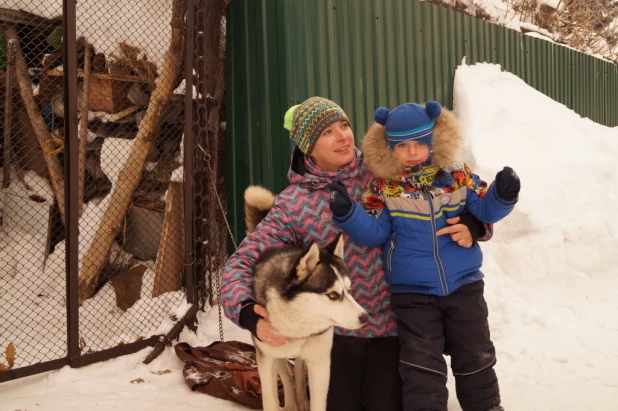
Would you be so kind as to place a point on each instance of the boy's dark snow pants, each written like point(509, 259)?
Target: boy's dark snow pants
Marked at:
point(457, 324)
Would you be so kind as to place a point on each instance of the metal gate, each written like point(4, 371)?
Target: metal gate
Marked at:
point(112, 223)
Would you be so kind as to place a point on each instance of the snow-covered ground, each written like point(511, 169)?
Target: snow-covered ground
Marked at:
point(33, 285)
point(551, 270)
point(114, 385)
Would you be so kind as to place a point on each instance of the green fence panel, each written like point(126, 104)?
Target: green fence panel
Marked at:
point(369, 53)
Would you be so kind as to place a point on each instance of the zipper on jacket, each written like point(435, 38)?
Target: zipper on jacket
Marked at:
point(436, 254)
point(390, 253)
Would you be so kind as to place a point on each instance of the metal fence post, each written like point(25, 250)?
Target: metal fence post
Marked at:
point(189, 148)
point(71, 176)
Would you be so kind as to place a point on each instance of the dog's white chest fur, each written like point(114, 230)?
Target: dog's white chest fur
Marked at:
point(296, 347)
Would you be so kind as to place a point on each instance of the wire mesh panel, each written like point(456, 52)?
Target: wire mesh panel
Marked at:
point(131, 230)
point(32, 263)
point(210, 199)
point(126, 128)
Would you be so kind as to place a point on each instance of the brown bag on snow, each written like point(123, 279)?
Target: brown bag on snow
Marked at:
point(226, 370)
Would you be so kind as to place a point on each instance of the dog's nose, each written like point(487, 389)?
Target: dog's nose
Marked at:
point(363, 318)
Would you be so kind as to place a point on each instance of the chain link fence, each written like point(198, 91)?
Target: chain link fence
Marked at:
point(210, 200)
point(104, 245)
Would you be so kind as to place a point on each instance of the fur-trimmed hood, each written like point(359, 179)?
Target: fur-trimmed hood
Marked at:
point(446, 143)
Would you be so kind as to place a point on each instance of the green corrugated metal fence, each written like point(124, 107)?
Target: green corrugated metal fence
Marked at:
point(369, 53)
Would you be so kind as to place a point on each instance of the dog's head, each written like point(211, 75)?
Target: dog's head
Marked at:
point(320, 284)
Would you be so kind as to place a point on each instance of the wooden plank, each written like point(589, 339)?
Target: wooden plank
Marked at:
point(22, 17)
point(170, 260)
point(103, 76)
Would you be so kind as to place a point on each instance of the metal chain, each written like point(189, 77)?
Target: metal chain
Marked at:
point(218, 288)
point(213, 188)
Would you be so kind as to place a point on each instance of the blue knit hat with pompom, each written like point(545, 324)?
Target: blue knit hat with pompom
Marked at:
point(409, 122)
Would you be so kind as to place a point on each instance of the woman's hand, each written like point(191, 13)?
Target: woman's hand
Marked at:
point(460, 233)
point(339, 203)
point(265, 331)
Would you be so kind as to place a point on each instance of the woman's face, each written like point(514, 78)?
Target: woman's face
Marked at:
point(335, 147)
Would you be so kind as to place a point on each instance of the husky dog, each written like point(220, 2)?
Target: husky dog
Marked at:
point(306, 294)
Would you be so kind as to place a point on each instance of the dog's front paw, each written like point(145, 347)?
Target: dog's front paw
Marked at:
point(303, 405)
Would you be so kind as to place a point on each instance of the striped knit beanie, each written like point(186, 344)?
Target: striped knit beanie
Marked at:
point(409, 122)
point(308, 120)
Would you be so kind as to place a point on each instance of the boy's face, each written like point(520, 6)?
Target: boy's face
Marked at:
point(335, 147)
point(411, 153)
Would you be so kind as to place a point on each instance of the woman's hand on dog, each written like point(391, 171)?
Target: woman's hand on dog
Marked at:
point(265, 331)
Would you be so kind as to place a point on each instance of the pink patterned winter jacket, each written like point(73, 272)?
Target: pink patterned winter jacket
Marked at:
point(299, 216)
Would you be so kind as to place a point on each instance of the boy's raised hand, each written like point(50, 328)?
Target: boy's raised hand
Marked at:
point(340, 203)
point(507, 184)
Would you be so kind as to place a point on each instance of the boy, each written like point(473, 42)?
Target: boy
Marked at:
point(437, 288)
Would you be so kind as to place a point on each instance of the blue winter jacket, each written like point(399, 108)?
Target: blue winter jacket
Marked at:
point(416, 259)
point(411, 206)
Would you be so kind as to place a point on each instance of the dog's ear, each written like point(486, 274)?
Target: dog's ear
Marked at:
point(308, 261)
point(336, 247)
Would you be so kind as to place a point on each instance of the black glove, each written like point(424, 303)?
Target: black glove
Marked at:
point(249, 319)
point(507, 184)
point(476, 227)
point(340, 203)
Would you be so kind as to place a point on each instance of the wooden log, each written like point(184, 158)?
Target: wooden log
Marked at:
point(170, 261)
point(25, 149)
point(83, 132)
point(130, 175)
point(40, 128)
point(29, 19)
point(102, 76)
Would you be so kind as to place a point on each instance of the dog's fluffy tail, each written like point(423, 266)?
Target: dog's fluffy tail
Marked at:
point(258, 202)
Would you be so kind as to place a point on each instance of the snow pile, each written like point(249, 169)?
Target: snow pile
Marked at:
point(551, 269)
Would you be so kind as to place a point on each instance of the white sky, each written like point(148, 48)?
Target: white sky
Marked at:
point(551, 270)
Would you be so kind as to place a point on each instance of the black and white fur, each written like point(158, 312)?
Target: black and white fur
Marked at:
point(306, 293)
